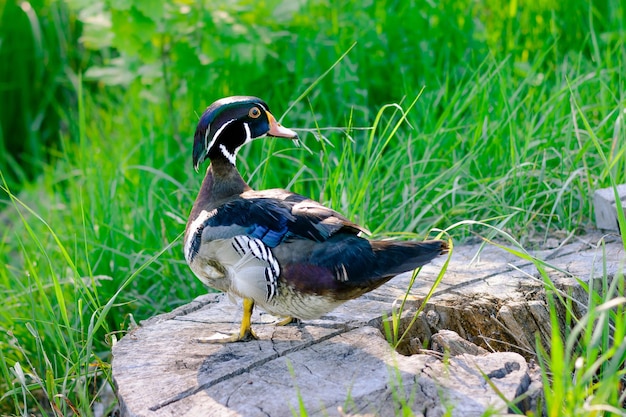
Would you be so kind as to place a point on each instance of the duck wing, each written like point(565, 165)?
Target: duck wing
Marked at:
point(272, 216)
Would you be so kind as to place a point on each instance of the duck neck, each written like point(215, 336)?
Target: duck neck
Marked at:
point(221, 183)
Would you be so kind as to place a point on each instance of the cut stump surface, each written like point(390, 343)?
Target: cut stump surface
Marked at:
point(342, 364)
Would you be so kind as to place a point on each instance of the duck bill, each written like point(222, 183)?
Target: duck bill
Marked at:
point(279, 131)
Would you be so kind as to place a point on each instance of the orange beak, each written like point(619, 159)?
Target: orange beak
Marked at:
point(279, 131)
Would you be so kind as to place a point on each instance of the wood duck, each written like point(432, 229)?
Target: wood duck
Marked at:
point(286, 253)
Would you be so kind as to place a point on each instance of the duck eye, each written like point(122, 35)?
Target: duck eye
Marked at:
point(254, 112)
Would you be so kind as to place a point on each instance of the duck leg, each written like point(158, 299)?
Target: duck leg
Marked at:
point(245, 331)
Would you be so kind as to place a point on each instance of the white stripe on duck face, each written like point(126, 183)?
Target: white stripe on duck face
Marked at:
point(249, 137)
point(232, 156)
point(215, 136)
point(206, 137)
point(248, 133)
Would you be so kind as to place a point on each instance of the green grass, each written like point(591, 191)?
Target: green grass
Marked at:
point(37, 53)
point(504, 113)
point(583, 372)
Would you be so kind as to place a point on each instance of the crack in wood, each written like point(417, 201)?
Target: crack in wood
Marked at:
point(242, 370)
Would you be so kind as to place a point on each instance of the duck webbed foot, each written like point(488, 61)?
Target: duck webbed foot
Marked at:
point(289, 320)
point(245, 333)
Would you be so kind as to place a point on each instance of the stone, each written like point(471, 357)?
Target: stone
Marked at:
point(606, 208)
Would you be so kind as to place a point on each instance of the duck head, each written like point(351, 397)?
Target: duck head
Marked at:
point(231, 122)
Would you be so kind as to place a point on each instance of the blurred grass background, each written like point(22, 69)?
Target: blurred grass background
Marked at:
point(99, 101)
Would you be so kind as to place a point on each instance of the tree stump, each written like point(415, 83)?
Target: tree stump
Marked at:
point(342, 365)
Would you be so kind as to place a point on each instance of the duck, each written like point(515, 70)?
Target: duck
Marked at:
point(283, 252)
